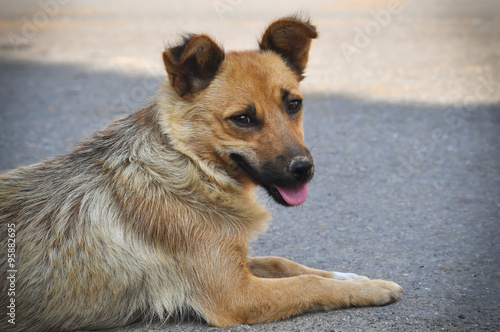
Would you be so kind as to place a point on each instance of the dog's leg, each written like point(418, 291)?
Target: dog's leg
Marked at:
point(258, 300)
point(277, 267)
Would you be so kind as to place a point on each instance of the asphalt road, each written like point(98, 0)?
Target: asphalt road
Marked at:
point(403, 114)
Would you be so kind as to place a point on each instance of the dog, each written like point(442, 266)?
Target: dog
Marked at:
point(151, 217)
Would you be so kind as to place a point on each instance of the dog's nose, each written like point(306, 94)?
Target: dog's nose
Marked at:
point(301, 170)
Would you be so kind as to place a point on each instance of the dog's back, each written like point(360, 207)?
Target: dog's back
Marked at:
point(71, 245)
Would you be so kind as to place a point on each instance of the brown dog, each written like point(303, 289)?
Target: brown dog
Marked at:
point(152, 216)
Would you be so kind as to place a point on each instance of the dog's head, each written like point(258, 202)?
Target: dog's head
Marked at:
point(243, 110)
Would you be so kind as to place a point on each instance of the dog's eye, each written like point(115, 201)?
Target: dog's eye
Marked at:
point(294, 106)
point(243, 120)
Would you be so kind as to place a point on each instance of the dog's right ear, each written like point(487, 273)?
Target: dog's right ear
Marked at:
point(192, 64)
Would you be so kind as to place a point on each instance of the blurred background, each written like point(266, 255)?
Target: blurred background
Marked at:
point(426, 51)
point(402, 108)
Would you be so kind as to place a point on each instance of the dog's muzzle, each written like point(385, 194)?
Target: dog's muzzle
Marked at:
point(286, 183)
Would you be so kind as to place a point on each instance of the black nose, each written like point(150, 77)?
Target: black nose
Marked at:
point(301, 170)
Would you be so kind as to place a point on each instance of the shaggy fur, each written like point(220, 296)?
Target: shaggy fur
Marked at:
point(152, 216)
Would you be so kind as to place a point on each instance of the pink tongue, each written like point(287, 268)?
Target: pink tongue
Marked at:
point(294, 196)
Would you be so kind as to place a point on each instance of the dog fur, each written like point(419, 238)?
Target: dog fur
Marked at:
point(152, 216)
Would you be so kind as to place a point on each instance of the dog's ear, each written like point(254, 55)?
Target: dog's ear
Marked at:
point(192, 64)
point(291, 38)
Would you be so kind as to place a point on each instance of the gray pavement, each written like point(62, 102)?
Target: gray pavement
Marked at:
point(403, 114)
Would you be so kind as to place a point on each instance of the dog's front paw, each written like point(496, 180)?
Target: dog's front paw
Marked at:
point(375, 293)
point(347, 276)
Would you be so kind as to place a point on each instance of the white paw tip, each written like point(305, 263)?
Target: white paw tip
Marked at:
point(347, 276)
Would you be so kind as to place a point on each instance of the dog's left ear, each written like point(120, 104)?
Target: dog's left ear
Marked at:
point(192, 64)
point(291, 38)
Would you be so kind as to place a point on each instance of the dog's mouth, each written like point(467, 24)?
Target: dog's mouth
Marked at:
point(292, 196)
point(285, 194)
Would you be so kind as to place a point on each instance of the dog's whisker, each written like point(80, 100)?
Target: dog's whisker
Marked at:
point(317, 141)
